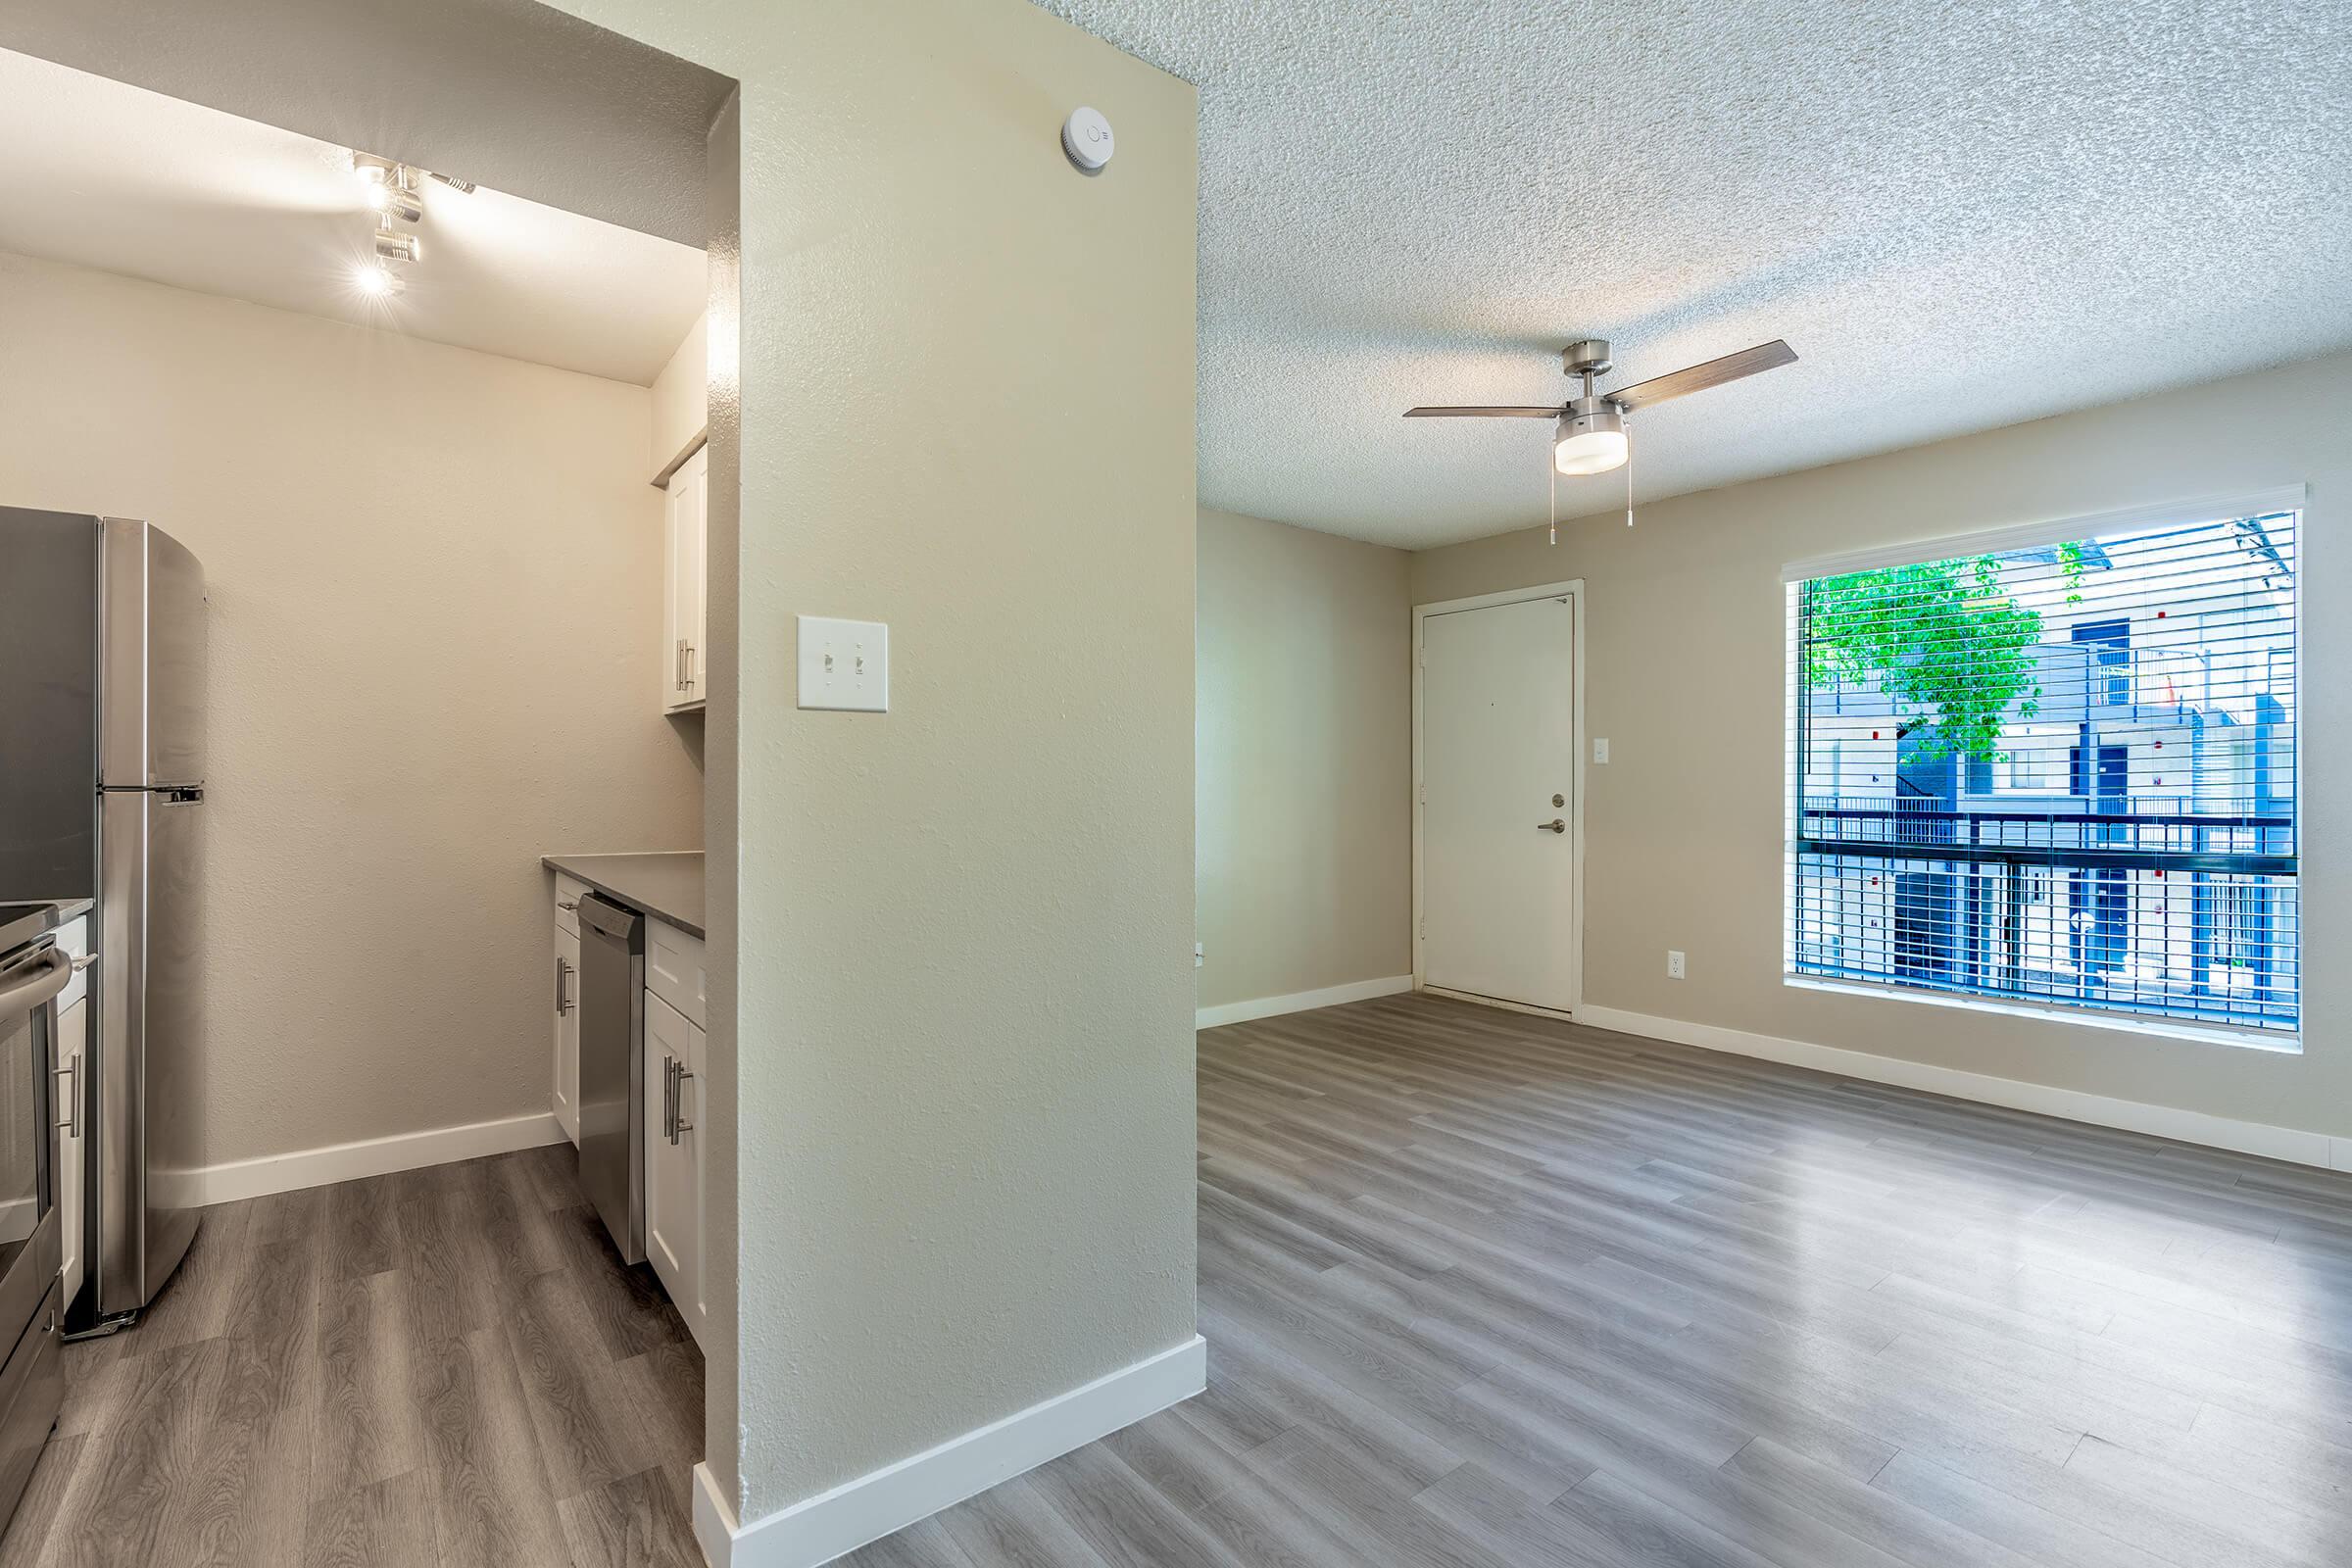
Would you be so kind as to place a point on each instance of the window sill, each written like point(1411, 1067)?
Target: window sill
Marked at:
point(2273, 1042)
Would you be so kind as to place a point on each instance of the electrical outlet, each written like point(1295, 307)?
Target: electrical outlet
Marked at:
point(1601, 751)
point(1199, 955)
point(1674, 964)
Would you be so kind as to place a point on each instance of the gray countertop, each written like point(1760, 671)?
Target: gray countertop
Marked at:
point(666, 886)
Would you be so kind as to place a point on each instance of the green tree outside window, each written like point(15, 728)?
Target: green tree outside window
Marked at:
point(1944, 639)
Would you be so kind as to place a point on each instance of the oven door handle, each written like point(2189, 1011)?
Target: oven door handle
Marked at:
point(39, 987)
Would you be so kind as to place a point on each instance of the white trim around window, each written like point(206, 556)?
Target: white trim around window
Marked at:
point(2032, 535)
point(2287, 499)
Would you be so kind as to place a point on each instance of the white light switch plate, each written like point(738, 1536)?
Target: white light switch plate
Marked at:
point(843, 664)
point(1601, 751)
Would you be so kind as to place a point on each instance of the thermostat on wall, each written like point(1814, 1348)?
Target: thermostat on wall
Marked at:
point(1086, 137)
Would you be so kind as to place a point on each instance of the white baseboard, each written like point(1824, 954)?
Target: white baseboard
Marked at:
point(1299, 1001)
point(1566, 1015)
point(822, 1528)
point(2073, 1104)
point(372, 1156)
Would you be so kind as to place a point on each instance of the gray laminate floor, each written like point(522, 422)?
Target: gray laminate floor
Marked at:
point(1482, 1289)
point(439, 1369)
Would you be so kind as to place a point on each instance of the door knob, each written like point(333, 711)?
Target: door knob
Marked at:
point(1556, 825)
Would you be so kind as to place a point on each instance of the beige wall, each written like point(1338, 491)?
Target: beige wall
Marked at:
point(434, 582)
point(1685, 650)
point(962, 1012)
point(1302, 691)
point(680, 400)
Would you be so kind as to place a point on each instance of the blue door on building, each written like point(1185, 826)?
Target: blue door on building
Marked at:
point(2099, 901)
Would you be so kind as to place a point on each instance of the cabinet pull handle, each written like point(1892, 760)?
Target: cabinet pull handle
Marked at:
point(563, 998)
point(692, 660)
point(669, 1097)
point(678, 1107)
point(71, 1125)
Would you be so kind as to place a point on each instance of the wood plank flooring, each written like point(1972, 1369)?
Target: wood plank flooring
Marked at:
point(435, 1369)
point(1481, 1291)
point(1485, 1291)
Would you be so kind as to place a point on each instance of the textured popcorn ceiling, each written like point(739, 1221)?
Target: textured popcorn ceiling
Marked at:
point(1961, 216)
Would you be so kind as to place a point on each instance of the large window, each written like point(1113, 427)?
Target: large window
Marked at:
point(2054, 774)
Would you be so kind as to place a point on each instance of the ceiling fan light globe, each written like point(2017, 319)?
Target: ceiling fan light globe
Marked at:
point(1591, 442)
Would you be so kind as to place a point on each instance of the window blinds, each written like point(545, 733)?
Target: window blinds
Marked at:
point(2062, 774)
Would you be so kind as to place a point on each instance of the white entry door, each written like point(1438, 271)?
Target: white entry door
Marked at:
point(1498, 808)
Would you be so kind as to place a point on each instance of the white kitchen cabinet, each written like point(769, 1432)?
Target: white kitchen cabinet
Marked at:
point(674, 1158)
point(566, 1094)
point(73, 1051)
point(686, 596)
point(673, 969)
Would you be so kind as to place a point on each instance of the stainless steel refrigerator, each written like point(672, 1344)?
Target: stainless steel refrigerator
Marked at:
point(101, 751)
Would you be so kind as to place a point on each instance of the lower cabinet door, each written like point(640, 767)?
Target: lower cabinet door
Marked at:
point(690, 1166)
point(566, 1094)
point(71, 1102)
point(672, 1164)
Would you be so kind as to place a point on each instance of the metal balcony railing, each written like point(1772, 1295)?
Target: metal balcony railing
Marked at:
point(1929, 828)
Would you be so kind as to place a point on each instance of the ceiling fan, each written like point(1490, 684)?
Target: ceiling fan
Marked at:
point(1589, 435)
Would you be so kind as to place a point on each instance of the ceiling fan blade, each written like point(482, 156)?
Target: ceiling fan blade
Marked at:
point(1487, 410)
point(1698, 378)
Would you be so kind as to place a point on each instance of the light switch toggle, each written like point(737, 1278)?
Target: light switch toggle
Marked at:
point(843, 664)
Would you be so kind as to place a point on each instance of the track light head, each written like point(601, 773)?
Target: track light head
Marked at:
point(379, 279)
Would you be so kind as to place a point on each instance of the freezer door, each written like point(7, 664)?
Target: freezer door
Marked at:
point(152, 659)
point(150, 1082)
point(48, 705)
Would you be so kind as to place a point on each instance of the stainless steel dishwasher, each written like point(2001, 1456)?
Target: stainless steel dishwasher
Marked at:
point(613, 1070)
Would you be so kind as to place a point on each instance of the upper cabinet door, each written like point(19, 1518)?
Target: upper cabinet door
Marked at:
point(685, 596)
point(696, 658)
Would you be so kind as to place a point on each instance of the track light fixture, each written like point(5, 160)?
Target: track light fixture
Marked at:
point(402, 199)
point(395, 193)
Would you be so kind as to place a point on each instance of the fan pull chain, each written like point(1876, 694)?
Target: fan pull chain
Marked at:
point(1553, 468)
point(1629, 474)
